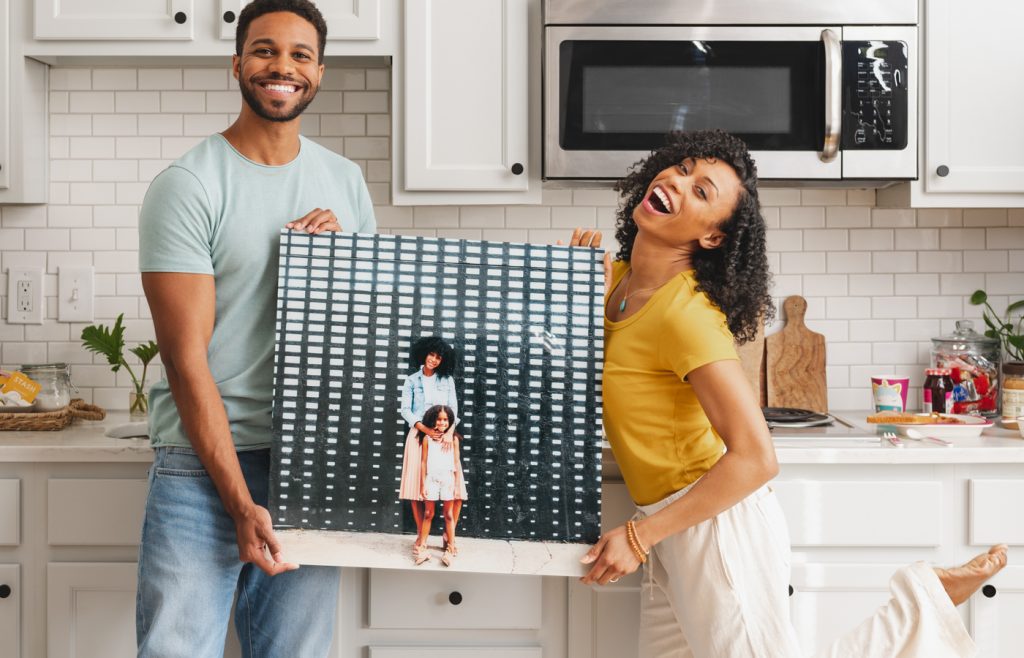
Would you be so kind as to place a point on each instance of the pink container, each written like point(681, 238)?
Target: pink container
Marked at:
point(889, 392)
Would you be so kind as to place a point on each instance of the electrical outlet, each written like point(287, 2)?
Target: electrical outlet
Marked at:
point(24, 296)
point(75, 294)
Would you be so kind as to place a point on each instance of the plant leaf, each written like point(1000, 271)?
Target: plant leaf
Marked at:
point(146, 352)
point(988, 321)
point(979, 297)
point(1016, 341)
point(991, 333)
point(106, 342)
point(1015, 306)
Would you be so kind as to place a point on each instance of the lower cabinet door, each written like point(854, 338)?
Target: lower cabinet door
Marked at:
point(10, 608)
point(90, 610)
point(829, 600)
point(996, 614)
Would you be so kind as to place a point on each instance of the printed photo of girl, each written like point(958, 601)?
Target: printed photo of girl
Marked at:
point(440, 479)
point(431, 384)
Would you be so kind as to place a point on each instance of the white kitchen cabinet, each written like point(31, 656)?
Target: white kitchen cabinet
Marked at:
point(346, 20)
point(996, 614)
point(24, 138)
point(10, 610)
point(972, 152)
point(90, 610)
point(185, 28)
point(109, 19)
point(466, 111)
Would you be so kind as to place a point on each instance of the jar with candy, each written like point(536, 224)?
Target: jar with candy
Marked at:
point(973, 361)
point(937, 392)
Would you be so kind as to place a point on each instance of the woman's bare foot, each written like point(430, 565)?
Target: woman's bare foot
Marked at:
point(963, 581)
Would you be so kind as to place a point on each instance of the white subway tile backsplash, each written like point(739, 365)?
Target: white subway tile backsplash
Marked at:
point(919, 239)
point(803, 217)
point(871, 330)
point(879, 282)
point(847, 308)
point(136, 101)
point(871, 284)
point(114, 79)
point(984, 217)
point(571, 217)
point(849, 261)
point(212, 79)
point(917, 284)
point(940, 307)
point(826, 285)
point(940, 261)
point(894, 307)
point(892, 217)
point(802, 263)
point(826, 240)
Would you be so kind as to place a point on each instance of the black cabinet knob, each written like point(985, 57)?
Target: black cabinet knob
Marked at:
point(517, 169)
point(229, 17)
point(989, 591)
point(791, 590)
point(180, 18)
point(455, 598)
point(942, 171)
point(5, 591)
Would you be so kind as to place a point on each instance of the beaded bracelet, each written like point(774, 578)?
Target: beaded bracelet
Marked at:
point(635, 544)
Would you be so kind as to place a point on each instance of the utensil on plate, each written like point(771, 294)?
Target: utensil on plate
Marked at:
point(892, 439)
point(914, 435)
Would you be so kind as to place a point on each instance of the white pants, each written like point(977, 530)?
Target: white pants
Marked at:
point(721, 590)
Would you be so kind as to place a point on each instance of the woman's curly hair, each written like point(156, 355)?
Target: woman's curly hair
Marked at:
point(734, 276)
point(450, 358)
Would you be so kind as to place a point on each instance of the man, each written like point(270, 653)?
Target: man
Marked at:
point(209, 233)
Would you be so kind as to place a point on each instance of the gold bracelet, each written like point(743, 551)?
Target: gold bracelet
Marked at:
point(634, 543)
point(636, 536)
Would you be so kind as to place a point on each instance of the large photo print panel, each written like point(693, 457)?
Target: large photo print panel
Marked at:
point(437, 403)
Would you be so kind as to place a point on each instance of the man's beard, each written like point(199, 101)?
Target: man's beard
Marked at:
point(257, 107)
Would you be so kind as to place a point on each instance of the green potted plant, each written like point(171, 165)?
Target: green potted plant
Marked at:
point(110, 344)
point(1010, 335)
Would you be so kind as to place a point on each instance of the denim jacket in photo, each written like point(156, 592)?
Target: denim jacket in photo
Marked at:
point(414, 398)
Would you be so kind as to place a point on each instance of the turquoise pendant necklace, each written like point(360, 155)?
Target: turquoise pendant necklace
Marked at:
point(627, 294)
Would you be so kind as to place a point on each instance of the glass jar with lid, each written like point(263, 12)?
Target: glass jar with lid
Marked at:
point(54, 381)
point(973, 360)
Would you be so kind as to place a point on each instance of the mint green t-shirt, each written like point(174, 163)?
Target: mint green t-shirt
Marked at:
point(216, 212)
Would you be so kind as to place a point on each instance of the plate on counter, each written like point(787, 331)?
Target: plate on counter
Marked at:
point(971, 426)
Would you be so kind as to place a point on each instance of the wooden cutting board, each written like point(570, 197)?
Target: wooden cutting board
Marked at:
point(796, 362)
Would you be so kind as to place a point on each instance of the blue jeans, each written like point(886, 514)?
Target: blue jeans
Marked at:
point(189, 573)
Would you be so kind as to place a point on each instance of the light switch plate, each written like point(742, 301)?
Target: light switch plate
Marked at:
point(24, 296)
point(75, 294)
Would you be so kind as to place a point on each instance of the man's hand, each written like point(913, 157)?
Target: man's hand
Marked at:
point(316, 222)
point(256, 539)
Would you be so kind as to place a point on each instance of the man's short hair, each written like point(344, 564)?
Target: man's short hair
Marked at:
point(301, 8)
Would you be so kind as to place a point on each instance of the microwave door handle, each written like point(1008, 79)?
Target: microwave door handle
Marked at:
point(833, 95)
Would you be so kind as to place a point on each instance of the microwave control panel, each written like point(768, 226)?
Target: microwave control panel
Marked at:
point(874, 95)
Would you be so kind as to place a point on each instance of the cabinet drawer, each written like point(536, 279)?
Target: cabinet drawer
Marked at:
point(455, 652)
point(991, 521)
point(862, 513)
point(10, 512)
point(404, 599)
point(94, 512)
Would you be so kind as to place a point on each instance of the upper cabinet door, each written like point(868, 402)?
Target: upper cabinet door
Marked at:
point(346, 19)
point(466, 95)
point(973, 96)
point(112, 19)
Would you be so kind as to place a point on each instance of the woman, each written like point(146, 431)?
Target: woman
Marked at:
point(691, 278)
point(433, 383)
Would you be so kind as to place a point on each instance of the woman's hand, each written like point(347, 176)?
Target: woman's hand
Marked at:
point(612, 558)
point(592, 238)
point(316, 222)
point(448, 440)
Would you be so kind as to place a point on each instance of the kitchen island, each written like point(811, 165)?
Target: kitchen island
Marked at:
point(71, 506)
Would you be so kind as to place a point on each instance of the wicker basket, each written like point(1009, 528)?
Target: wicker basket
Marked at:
point(51, 420)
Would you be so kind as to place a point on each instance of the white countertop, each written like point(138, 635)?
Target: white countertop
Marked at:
point(84, 441)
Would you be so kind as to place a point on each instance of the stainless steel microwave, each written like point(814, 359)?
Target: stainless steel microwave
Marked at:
point(819, 91)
